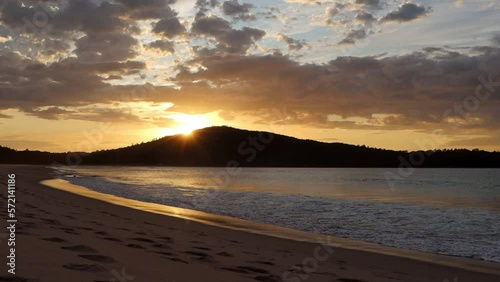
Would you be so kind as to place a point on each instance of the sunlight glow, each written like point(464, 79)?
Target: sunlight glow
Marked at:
point(188, 123)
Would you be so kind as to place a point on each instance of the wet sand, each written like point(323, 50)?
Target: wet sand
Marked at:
point(63, 236)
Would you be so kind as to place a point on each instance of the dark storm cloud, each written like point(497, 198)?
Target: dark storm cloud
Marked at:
point(407, 12)
point(241, 11)
point(229, 40)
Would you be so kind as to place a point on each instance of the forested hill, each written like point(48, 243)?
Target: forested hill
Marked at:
point(226, 146)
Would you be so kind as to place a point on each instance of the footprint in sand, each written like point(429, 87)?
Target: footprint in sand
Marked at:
point(149, 223)
point(51, 221)
point(166, 238)
point(69, 231)
point(85, 267)
point(161, 246)
point(201, 256)
point(110, 214)
point(135, 246)
point(146, 240)
point(112, 239)
point(249, 253)
point(54, 239)
point(80, 248)
point(165, 253)
point(253, 269)
point(247, 270)
point(85, 228)
point(202, 248)
point(95, 222)
point(179, 260)
point(17, 279)
point(28, 215)
point(98, 258)
point(262, 262)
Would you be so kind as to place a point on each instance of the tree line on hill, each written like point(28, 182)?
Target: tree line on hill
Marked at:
point(226, 146)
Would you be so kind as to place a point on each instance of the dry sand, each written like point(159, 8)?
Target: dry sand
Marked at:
point(62, 236)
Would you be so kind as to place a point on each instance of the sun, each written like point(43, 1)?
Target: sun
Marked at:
point(189, 123)
point(186, 131)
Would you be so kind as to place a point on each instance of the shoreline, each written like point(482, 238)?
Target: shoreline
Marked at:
point(198, 250)
point(273, 230)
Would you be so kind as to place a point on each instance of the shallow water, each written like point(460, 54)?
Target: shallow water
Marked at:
point(446, 211)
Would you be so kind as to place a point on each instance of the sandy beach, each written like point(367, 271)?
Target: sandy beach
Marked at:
point(62, 236)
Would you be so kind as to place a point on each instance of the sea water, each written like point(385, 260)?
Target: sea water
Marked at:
point(445, 211)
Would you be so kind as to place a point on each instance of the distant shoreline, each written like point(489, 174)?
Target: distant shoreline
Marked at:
point(232, 147)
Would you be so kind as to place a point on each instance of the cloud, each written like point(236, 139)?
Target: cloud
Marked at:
point(353, 36)
point(169, 26)
point(350, 87)
point(356, 89)
point(106, 47)
point(458, 3)
point(204, 6)
point(293, 44)
point(331, 12)
point(238, 11)
point(315, 2)
point(365, 18)
point(46, 89)
point(77, 66)
point(165, 46)
point(148, 9)
point(5, 116)
point(496, 39)
point(369, 3)
point(102, 31)
point(229, 40)
point(4, 39)
point(407, 12)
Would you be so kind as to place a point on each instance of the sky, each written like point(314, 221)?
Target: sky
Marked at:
point(86, 75)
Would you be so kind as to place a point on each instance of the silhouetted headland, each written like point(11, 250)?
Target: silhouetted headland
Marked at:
point(226, 146)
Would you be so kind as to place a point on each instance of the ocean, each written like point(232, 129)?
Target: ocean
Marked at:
point(445, 211)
